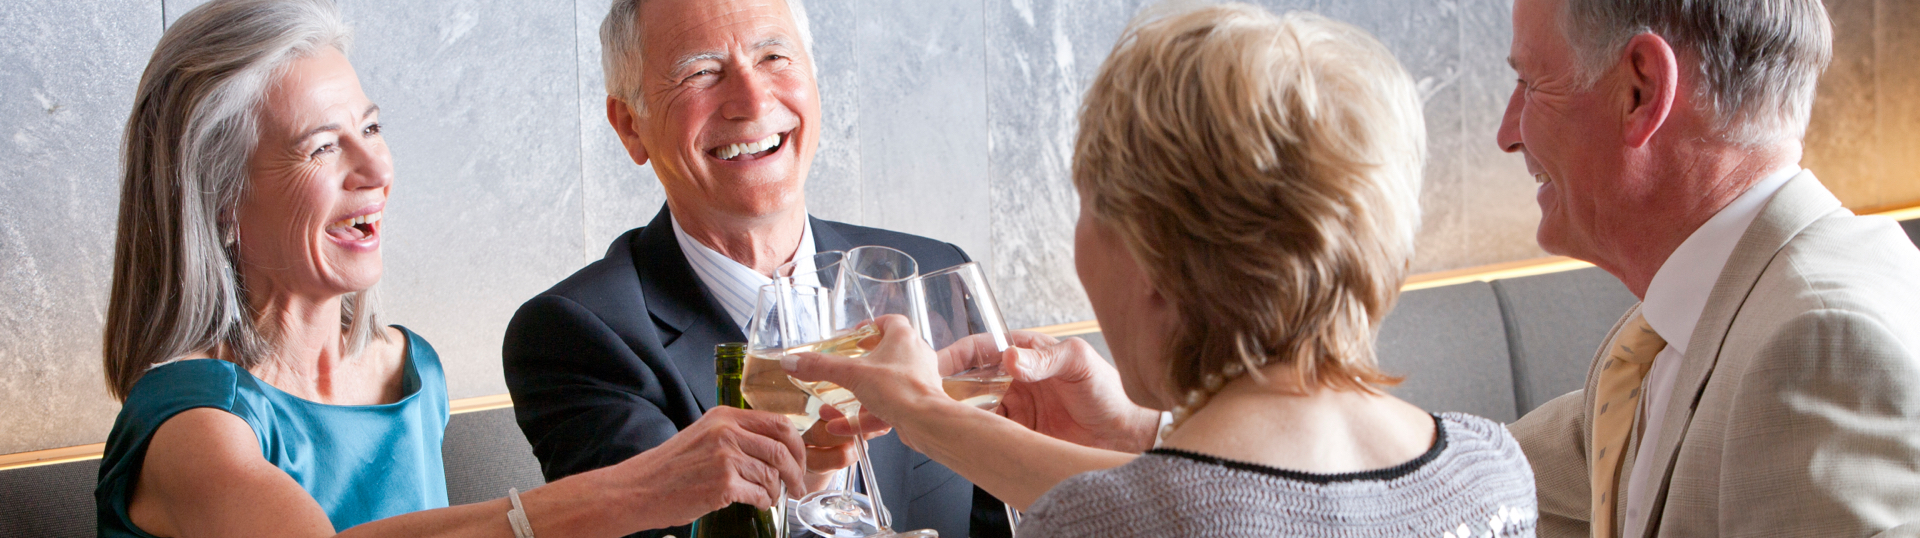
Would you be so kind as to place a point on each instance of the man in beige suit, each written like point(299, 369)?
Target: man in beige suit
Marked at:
point(1769, 382)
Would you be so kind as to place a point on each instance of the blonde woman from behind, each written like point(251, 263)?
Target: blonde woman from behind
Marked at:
point(1249, 189)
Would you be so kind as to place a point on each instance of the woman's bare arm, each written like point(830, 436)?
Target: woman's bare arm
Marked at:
point(203, 476)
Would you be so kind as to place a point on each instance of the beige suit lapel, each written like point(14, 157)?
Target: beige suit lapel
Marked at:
point(1798, 204)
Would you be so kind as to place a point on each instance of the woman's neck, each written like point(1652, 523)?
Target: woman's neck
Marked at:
point(307, 359)
point(1276, 423)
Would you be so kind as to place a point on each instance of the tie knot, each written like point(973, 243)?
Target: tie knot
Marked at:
point(1637, 342)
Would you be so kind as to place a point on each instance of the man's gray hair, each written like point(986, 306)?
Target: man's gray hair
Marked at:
point(620, 48)
point(1760, 60)
point(195, 124)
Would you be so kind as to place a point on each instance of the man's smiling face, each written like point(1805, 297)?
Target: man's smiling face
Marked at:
point(731, 117)
point(1569, 135)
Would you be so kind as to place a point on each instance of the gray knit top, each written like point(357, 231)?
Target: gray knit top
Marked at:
point(1473, 482)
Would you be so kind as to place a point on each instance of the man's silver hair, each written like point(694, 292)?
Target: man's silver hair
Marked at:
point(620, 48)
point(1759, 60)
point(177, 288)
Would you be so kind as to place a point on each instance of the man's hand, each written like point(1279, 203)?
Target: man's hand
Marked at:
point(730, 455)
point(830, 446)
point(1064, 389)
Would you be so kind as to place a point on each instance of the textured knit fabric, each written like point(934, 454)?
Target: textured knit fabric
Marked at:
point(361, 463)
point(1473, 482)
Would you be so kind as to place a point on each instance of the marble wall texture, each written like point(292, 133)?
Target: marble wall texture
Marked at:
point(948, 119)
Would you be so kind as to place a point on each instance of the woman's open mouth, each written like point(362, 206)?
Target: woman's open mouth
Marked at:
point(356, 228)
point(747, 151)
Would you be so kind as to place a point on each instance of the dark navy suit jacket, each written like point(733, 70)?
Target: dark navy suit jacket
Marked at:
point(618, 358)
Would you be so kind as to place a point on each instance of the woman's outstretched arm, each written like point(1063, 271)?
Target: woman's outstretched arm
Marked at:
point(203, 476)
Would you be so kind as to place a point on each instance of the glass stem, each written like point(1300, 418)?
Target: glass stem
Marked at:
point(880, 514)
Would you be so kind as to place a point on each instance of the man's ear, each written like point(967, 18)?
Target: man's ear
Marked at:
point(1652, 85)
point(625, 123)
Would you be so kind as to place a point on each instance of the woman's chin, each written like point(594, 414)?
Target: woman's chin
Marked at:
point(356, 275)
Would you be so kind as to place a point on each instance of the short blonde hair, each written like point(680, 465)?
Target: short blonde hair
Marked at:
point(1265, 172)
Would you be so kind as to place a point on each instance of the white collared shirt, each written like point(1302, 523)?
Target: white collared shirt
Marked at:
point(1675, 300)
point(732, 283)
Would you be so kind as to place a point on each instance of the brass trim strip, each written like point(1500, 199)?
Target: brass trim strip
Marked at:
point(51, 456)
point(1484, 273)
point(480, 403)
point(1069, 329)
point(1907, 213)
point(1538, 266)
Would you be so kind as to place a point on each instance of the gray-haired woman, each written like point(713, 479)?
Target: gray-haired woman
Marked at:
point(263, 397)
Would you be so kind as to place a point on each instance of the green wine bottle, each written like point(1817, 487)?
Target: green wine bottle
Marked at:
point(738, 520)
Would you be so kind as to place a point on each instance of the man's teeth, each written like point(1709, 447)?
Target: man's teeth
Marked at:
point(730, 151)
point(1542, 178)
point(356, 221)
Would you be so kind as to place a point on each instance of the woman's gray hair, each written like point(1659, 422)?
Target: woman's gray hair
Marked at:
point(1759, 60)
point(620, 48)
point(177, 290)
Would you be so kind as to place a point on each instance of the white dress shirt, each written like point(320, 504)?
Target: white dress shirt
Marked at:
point(732, 283)
point(1675, 299)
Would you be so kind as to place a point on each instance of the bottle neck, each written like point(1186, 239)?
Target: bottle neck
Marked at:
point(729, 362)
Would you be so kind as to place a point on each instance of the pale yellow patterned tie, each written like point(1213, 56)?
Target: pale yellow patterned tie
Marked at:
point(1616, 402)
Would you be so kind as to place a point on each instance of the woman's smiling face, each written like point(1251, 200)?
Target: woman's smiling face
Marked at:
point(309, 220)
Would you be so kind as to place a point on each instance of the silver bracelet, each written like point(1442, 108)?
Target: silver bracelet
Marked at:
point(517, 517)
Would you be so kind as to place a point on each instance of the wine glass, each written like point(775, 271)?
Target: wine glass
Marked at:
point(784, 317)
point(789, 313)
point(868, 282)
point(793, 315)
point(963, 321)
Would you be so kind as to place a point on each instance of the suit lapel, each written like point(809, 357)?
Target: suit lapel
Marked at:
point(1798, 204)
point(690, 322)
point(826, 238)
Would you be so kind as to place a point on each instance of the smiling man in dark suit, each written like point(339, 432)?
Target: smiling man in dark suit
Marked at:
point(719, 96)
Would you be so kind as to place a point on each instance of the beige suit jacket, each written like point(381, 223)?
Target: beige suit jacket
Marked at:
point(1797, 407)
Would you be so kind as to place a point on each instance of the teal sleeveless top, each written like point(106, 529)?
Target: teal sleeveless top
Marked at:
point(361, 462)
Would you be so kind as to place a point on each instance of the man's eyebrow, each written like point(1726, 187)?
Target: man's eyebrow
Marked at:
point(697, 57)
point(771, 42)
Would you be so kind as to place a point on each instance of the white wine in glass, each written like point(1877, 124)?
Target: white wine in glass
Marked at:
point(768, 388)
point(981, 387)
point(766, 380)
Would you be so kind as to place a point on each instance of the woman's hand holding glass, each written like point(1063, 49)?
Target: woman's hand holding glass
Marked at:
point(898, 376)
point(1066, 390)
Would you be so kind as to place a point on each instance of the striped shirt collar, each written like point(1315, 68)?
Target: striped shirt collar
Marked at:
point(732, 283)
